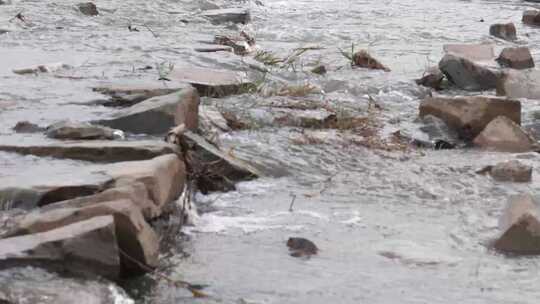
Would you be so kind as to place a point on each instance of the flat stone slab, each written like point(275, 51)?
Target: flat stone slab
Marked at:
point(473, 52)
point(212, 48)
point(234, 15)
point(127, 93)
point(210, 82)
point(95, 150)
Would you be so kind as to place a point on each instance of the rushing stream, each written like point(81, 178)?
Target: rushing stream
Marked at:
point(392, 227)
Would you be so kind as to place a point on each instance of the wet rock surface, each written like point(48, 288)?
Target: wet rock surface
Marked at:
point(513, 171)
point(468, 75)
point(516, 58)
point(88, 9)
point(82, 131)
point(531, 17)
point(504, 135)
point(506, 31)
point(520, 84)
point(233, 15)
point(301, 247)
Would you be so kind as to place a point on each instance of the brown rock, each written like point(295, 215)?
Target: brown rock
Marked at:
point(531, 17)
point(468, 75)
point(234, 15)
point(512, 171)
point(504, 135)
point(135, 237)
point(520, 227)
point(364, 60)
point(471, 114)
point(520, 84)
point(432, 78)
point(27, 127)
point(506, 31)
point(516, 58)
point(88, 248)
point(472, 52)
point(301, 247)
point(81, 131)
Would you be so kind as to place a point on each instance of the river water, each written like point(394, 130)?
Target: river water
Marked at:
point(392, 226)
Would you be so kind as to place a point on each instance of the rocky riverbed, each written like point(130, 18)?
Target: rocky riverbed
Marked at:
point(269, 151)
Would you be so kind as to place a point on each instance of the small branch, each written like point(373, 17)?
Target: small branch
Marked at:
point(292, 203)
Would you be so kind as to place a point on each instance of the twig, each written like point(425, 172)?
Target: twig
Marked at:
point(292, 203)
point(151, 31)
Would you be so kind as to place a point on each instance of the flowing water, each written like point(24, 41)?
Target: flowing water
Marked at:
point(392, 227)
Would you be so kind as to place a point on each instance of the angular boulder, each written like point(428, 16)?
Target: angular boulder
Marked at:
point(506, 31)
point(135, 237)
point(520, 226)
point(469, 115)
point(511, 171)
point(81, 131)
point(158, 114)
point(213, 83)
point(520, 84)
point(97, 151)
point(468, 75)
point(516, 58)
point(84, 248)
point(531, 17)
point(164, 176)
point(504, 135)
point(128, 93)
point(472, 52)
point(234, 15)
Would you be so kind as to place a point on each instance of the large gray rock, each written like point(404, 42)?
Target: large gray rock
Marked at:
point(129, 93)
point(81, 130)
point(520, 226)
point(506, 31)
point(234, 15)
point(469, 115)
point(504, 135)
point(516, 58)
point(520, 84)
point(135, 237)
point(97, 151)
point(158, 114)
point(512, 171)
point(85, 248)
point(215, 83)
point(468, 75)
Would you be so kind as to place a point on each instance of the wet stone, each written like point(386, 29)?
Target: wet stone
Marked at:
point(472, 52)
point(516, 58)
point(506, 31)
point(512, 171)
point(27, 127)
point(468, 75)
point(88, 9)
point(504, 135)
point(81, 131)
point(233, 15)
point(364, 60)
point(128, 93)
point(531, 17)
point(433, 78)
point(301, 247)
point(520, 84)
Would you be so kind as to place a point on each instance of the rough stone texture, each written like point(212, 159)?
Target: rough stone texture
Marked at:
point(88, 9)
point(135, 192)
point(128, 93)
point(163, 176)
point(87, 247)
point(364, 60)
point(158, 114)
point(135, 237)
point(214, 83)
point(516, 58)
point(234, 15)
point(472, 52)
point(432, 78)
point(512, 171)
point(520, 226)
point(520, 84)
point(506, 31)
point(470, 115)
point(467, 74)
point(531, 17)
point(504, 135)
point(211, 121)
point(97, 151)
point(80, 130)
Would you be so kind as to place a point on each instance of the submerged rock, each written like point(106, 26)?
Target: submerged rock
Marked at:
point(124, 94)
point(364, 60)
point(300, 247)
point(469, 115)
point(88, 9)
point(468, 75)
point(41, 68)
point(87, 248)
point(81, 130)
point(27, 127)
point(158, 114)
point(432, 78)
point(520, 84)
point(506, 31)
point(512, 171)
point(531, 17)
point(234, 15)
point(520, 226)
point(135, 237)
point(472, 52)
point(504, 135)
point(214, 83)
point(516, 58)
point(320, 70)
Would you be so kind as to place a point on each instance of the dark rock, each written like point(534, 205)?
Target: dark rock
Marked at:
point(520, 226)
point(520, 84)
point(27, 127)
point(469, 115)
point(472, 52)
point(300, 247)
point(158, 114)
point(81, 131)
point(321, 70)
point(213, 48)
point(88, 9)
point(433, 78)
point(468, 75)
point(516, 58)
point(124, 94)
point(504, 135)
point(505, 31)
point(97, 151)
point(511, 171)
point(135, 237)
point(531, 17)
point(364, 60)
point(234, 15)
point(86, 248)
